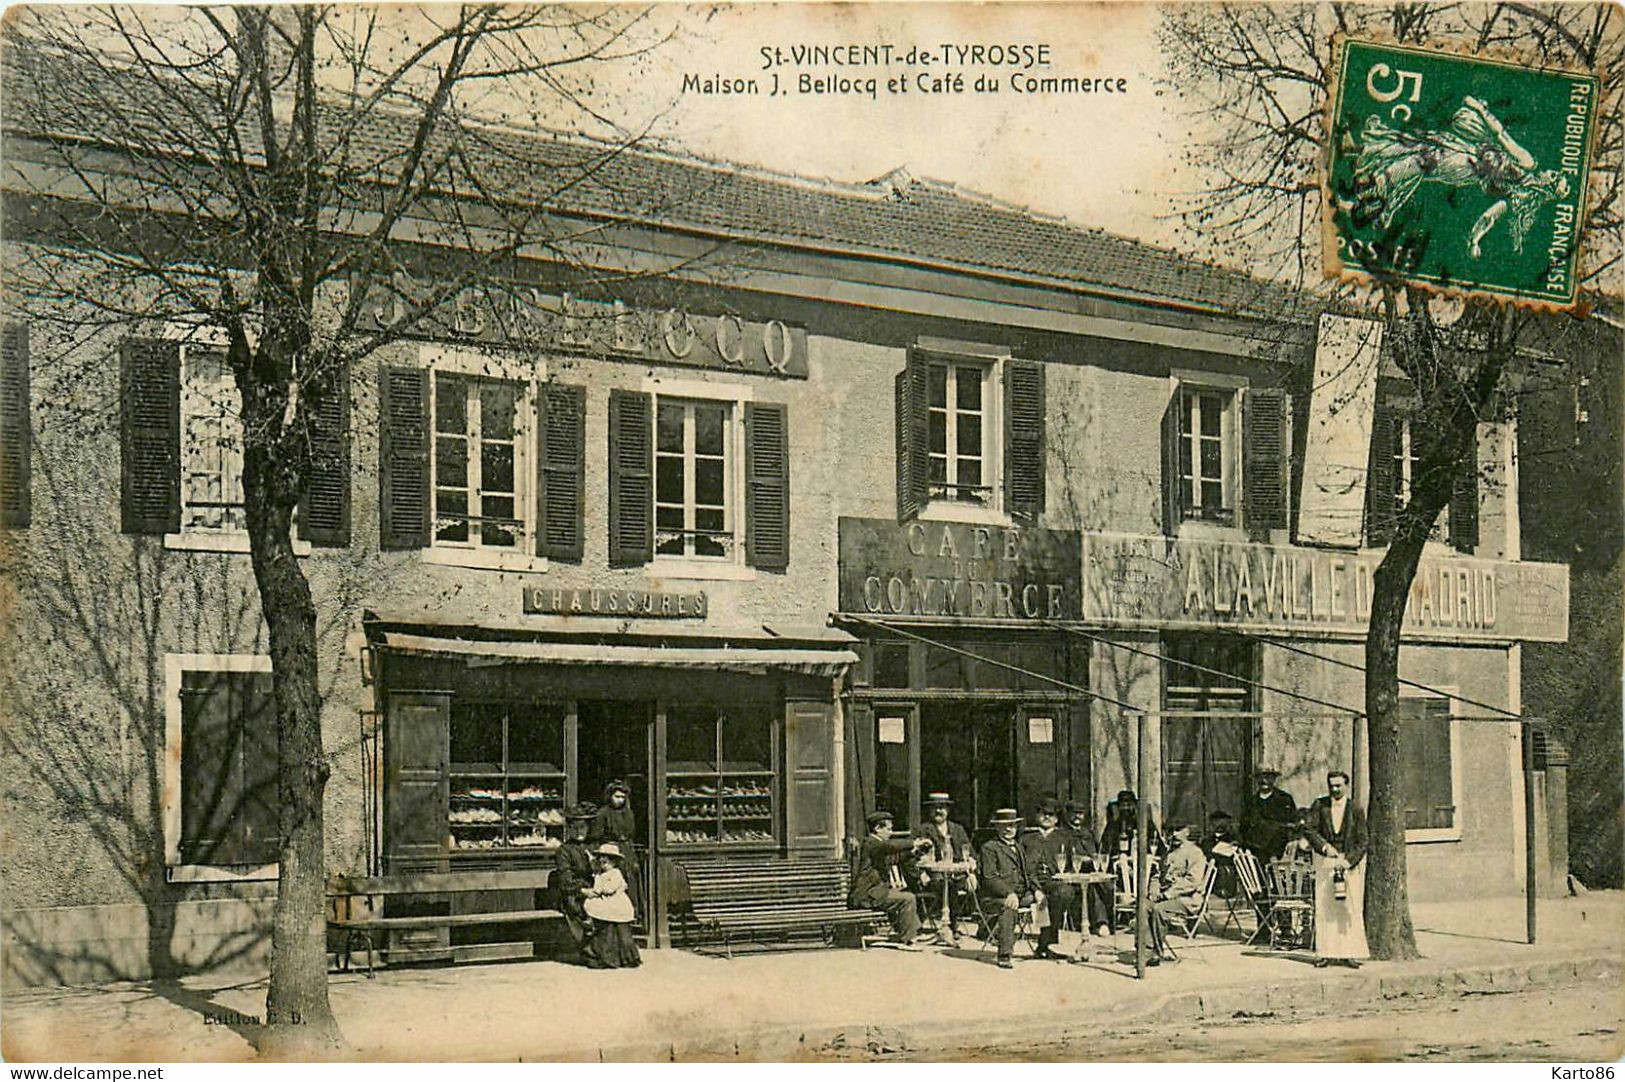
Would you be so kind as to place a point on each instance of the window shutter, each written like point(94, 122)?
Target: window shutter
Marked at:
point(1301, 393)
point(403, 458)
point(561, 418)
point(211, 769)
point(913, 437)
point(1173, 505)
point(1464, 501)
point(324, 512)
point(1266, 442)
point(15, 505)
point(1380, 505)
point(767, 485)
point(150, 420)
point(257, 823)
point(631, 479)
point(1024, 438)
point(1440, 794)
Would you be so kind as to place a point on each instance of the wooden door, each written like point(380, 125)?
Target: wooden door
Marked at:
point(809, 777)
point(417, 748)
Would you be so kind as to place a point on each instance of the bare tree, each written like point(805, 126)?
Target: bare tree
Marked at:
point(252, 172)
point(1255, 78)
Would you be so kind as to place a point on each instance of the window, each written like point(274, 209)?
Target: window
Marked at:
point(1207, 725)
point(694, 480)
point(507, 776)
point(478, 460)
point(1406, 464)
point(220, 803)
point(211, 445)
point(1427, 757)
point(721, 784)
point(15, 504)
point(1207, 454)
point(960, 446)
point(1393, 469)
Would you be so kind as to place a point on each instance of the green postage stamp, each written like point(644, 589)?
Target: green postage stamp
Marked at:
point(1457, 173)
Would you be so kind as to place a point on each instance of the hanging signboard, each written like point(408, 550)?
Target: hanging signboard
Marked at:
point(1142, 581)
point(1338, 451)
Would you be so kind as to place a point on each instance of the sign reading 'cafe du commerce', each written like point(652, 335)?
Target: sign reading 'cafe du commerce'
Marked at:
point(524, 316)
point(955, 570)
point(1137, 581)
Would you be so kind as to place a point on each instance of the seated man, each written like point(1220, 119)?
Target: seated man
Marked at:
point(880, 882)
point(1221, 845)
point(1002, 869)
point(949, 844)
point(1178, 892)
point(1049, 851)
point(1087, 857)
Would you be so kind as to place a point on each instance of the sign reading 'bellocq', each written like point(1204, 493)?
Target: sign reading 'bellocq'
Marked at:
point(956, 570)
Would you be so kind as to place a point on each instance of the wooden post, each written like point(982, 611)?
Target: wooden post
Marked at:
point(1527, 732)
point(1142, 853)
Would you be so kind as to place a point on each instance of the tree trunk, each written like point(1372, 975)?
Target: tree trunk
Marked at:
point(297, 1013)
point(1388, 929)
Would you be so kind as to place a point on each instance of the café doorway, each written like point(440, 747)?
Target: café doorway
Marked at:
point(969, 749)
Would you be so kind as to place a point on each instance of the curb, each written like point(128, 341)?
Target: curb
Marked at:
point(1310, 993)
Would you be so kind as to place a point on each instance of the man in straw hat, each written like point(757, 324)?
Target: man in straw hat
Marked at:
point(1006, 877)
point(881, 881)
point(949, 845)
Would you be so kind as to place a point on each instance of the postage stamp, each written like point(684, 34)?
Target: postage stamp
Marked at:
point(1457, 173)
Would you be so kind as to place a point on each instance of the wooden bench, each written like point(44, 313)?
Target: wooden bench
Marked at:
point(771, 899)
point(356, 908)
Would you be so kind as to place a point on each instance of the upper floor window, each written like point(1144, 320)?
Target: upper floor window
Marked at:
point(697, 481)
point(182, 444)
point(694, 456)
point(1394, 469)
point(1207, 455)
point(480, 455)
point(16, 507)
point(211, 445)
point(960, 433)
point(970, 435)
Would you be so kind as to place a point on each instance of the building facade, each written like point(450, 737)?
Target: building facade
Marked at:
point(928, 493)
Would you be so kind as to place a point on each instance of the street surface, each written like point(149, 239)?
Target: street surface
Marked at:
point(1578, 1024)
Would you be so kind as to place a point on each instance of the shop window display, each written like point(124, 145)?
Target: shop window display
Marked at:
point(507, 776)
point(721, 786)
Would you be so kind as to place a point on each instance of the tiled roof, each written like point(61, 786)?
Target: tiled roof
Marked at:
point(896, 217)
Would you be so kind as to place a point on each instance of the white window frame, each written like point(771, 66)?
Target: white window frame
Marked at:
point(530, 373)
point(949, 508)
point(1451, 833)
point(1230, 451)
point(175, 666)
point(733, 396)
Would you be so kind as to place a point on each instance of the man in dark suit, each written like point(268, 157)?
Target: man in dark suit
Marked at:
point(1049, 851)
point(944, 892)
point(1006, 879)
point(1267, 818)
point(880, 881)
point(1122, 821)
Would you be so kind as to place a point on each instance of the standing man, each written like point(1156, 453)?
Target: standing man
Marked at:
point(1005, 876)
point(1122, 822)
point(1336, 833)
point(880, 882)
point(1049, 851)
point(949, 844)
point(1268, 817)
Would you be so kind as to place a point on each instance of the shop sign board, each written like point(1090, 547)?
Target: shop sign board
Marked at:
point(956, 570)
point(1143, 581)
point(592, 601)
point(513, 315)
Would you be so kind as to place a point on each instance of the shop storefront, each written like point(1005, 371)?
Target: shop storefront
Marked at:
point(962, 686)
point(727, 739)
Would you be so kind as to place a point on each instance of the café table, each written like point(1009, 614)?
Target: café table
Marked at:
point(1083, 881)
point(951, 870)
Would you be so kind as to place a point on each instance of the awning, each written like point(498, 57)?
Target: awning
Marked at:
point(726, 658)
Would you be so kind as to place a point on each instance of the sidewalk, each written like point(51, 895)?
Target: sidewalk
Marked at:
point(791, 1005)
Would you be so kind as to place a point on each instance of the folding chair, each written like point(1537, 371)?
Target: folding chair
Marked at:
point(1025, 932)
point(1250, 877)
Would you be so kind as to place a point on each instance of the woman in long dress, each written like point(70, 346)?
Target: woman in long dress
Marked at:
point(1336, 833)
point(616, 822)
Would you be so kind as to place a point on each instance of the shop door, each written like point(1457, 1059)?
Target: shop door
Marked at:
point(1207, 731)
point(969, 749)
point(614, 740)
